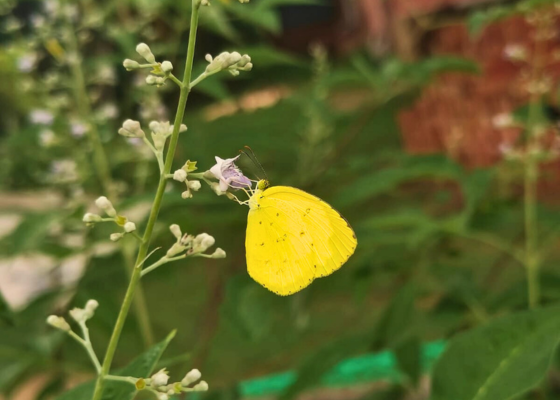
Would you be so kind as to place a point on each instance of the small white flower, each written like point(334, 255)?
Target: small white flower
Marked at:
point(129, 227)
point(160, 378)
point(202, 242)
point(144, 50)
point(192, 376)
point(78, 129)
point(27, 62)
point(105, 204)
point(166, 66)
point(229, 175)
point(91, 306)
point(504, 120)
point(91, 218)
point(194, 185)
point(41, 117)
point(115, 237)
point(202, 386)
point(130, 64)
point(176, 231)
point(180, 175)
point(515, 52)
point(131, 129)
point(58, 322)
point(219, 253)
point(47, 138)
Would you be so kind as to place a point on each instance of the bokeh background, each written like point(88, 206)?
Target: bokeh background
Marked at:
point(397, 112)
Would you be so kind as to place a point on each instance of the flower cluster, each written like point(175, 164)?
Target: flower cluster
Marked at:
point(181, 175)
point(106, 206)
point(158, 384)
point(232, 62)
point(160, 71)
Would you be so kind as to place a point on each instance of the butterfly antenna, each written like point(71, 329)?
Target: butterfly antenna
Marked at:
point(256, 161)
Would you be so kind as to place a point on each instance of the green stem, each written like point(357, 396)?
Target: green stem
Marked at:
point(531, 253)
point(143, 250)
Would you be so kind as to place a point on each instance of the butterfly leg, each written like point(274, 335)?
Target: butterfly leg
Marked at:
point(234, 197)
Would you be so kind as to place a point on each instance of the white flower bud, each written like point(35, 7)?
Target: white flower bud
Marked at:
point(194, 185)
point(154, 126)
point(115, 237)
point(186, 195)
point(204, 2)
point(91, 218)
point(166, 66)
point(202, 242)
point(182, 128)
point(144, 50)
point(162, 396)
point(129, 227)
point(176, 231)
point(202, 386)
point(151, 80)
point(160, 378)
point(219, 253)
point(130, 64)
point(58, 322)
point(132, 129)
point(180, 175)
point(104, 204)
point(91, 306)
point(192, 376)
point(78, 314)
point(208, 58)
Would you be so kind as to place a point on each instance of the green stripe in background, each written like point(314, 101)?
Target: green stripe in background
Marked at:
point(366, 368)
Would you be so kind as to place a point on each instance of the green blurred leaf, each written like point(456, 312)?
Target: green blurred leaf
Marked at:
point(6, 313)
point(409, 358)
point(499, 360)
point(30, 233)
point(395, 323)
point(266, 57)
point(479, 20)
point(142, 366)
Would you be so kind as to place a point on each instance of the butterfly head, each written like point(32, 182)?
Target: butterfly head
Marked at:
point(262, 184)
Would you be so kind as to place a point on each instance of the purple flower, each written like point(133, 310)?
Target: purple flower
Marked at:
point(229, 175)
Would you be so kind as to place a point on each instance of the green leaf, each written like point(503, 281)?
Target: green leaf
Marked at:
point(30, 233)
point(395, 323)
point(500, 360)
point(142, 366)
point(266, 57)
point(6, 313)
point(481, 19)
point(409, 357)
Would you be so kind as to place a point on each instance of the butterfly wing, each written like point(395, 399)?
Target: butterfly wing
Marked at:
point(293, 238)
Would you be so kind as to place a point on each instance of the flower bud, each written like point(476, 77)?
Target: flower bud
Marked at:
point(130, 64)
point(160, 378)
point(208, 57)
point(129, 227)
point(192, 376)
point(180, 175)
point(131, 129)
point(90, 218)
point(144, 50)
point(91, 306)
point(166, 66)
point(78, 314)
point(202, 242)
point(58, 322)
point(186, 194)
point(194, 185)
point(219, 253)
point(202, 386)
point(115, 237)
point(176, 231)
point(104, 204)
point(151, 80)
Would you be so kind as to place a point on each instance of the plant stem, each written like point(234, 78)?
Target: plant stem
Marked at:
point(532, 259)
point(143, 250)
point(531, 256)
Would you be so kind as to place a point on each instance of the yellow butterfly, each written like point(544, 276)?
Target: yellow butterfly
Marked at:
point(293, 238)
